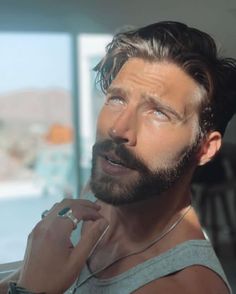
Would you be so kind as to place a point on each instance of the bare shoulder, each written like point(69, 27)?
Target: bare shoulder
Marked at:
point(192, 280)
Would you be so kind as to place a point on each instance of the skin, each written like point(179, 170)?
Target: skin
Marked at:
point(128, 116)
point(50, 252)
point(159, 139)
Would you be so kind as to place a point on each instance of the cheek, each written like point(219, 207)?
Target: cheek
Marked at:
point(155, 155)
point(163, 147)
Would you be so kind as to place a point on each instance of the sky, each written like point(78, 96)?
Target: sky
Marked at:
point(36, 60)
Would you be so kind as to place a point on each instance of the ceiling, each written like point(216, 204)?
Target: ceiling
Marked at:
point(216, 17)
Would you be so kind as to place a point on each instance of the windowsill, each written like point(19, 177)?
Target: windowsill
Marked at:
point(8, 268)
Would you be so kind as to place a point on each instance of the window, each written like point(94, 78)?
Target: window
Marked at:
point(91, 48)
point(36, 129)
point(36, 133)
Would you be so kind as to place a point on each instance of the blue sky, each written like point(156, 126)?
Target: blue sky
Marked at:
point(34, 61)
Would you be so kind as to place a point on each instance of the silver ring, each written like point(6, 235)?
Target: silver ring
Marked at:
point(44, 213)
point(66, 212)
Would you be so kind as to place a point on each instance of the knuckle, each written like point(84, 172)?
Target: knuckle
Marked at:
point(55, 205)
point(82, 201)
point(37, 230)
point(85, 202)
point(66, 202)
point(41, 230)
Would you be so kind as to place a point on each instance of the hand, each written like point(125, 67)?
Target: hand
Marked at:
point(51, 262)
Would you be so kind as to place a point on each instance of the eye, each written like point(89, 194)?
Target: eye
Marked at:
point(114, 100)
point(160, 115)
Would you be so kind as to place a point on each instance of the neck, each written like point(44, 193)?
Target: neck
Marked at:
point(143, 220)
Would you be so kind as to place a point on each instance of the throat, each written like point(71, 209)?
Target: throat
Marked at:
point(110, 258)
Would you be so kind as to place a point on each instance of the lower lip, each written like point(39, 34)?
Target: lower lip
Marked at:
point(113, 169)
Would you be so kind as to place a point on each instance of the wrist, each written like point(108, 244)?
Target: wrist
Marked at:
point(15, 289)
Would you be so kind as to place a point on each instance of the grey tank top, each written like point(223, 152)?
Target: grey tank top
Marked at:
point(192, 252)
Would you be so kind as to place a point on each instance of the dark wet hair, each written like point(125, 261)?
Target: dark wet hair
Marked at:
point(192, 50)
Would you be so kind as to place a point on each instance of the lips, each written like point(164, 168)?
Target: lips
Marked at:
point(113, 165)
point(113, 160)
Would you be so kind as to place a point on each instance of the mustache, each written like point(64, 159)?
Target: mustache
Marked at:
point(128, 158)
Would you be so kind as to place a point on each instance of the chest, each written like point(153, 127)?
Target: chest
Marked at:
point(113, 259)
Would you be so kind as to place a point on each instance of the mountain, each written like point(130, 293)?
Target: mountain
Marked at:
point(48, 106)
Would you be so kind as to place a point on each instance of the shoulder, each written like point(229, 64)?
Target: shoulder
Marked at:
point(192, 280)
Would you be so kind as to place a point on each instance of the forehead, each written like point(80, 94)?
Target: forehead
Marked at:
point(164, 80)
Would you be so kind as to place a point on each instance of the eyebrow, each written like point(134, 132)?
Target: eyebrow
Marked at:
point(117, 91)
point(164, 106)
point(150, 99)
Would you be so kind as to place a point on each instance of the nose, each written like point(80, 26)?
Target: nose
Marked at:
point(123, 130)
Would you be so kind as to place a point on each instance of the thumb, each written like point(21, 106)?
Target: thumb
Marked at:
point(88, 242)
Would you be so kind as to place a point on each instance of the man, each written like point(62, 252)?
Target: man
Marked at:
point(169, 97)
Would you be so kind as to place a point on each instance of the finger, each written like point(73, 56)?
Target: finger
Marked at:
point(87, 203)
point(49, 211)
point(86, 213)
point(75, 204)
point(66, 225)
point(79, 202)
point(87, 242)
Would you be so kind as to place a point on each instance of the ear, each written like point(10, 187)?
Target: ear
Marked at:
point(210, 147)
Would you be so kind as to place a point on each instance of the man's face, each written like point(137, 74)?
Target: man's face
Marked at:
point(147, 132)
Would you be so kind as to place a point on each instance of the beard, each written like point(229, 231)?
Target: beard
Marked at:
point(143, 183)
